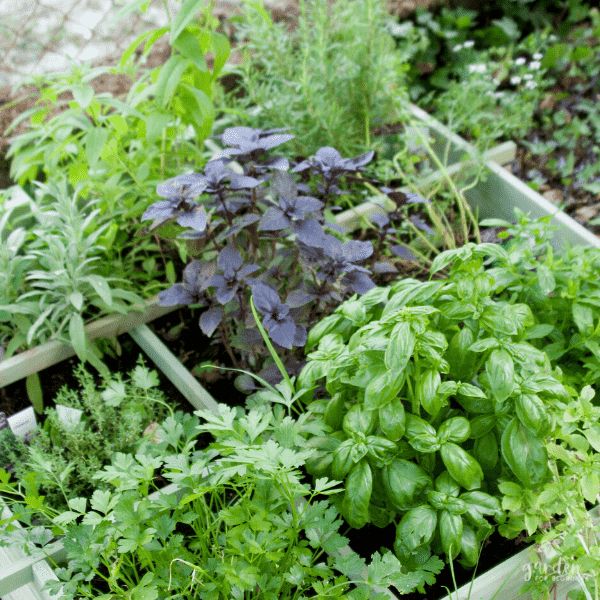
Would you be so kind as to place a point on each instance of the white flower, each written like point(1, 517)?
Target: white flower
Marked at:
point(530, 85)
point(538, 56)
point(535, 65)
point(520, 61)
point(457, 48)
point(515, 80)
point(469, 44)
point(477, 68)
point(527, 76)
point(498, 94)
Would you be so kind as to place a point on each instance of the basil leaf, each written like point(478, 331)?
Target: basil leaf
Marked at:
point(469, 546)
point(392, 419)
point(359, 485)
point(359, 420)
point(456, 429)
point(416, 529)
point(426, 392)
point(474, 399)
point(498, 318)
point(460, 357)
point(524, 454)
point(400, 348)
point(451, 529)
point(463, 468)
point(500, 370)
point(584, 317)
point(486, 452)
point(532, 413)
point(334, 413)
point(380, 449)
point(481, 425)
point(403, 482)
point(343, 459)
point(382, 389)
point(421, 435)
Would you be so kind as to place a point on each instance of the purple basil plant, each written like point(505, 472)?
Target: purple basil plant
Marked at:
point(257, 228)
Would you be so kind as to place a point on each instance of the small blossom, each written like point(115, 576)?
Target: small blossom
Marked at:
point(527, 77)
point(520, 61)
point(498, 94)
point(538, 56)
point(530, 85)
point(534, 65)
point(457, 48)
point(469, 44)
point(477, 68)
point(515, 80)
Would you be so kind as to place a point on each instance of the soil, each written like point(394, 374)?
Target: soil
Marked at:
point(13, 398)
point(180, 332)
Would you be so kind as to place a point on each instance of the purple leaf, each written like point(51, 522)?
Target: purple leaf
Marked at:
point(176, 295)
point(379, 219)
point(309, 232)
point(187, 186)
point(230, 260)
point(278, 163)
point(159, 211)
point(282, 333)
point(328, 155)
point(247, 270)
point(422, 225)
point(298, 298)
point(275, 140)
point(283, 185)
point(302, 166)
point(360, 161)
point(273, 220)
point(226, 293)
point(243, 182)
point(412, 198)
point(403, 252)
point(356, 251)
point(192, 273)
point(196, 219)
point(382, 267)
point(240, 223)
point(359, 282)
point(233, 136)
point(210, 319)
point(266, 298)
point(299, 336)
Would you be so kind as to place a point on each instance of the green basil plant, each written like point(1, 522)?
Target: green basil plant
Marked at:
point(435, 402)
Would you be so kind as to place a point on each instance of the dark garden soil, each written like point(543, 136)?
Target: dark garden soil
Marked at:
point(13, 398)
point(181, 333)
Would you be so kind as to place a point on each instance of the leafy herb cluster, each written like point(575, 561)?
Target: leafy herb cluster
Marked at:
point(443, 416)
point(237, 520)
point(258, 228)
point(99, 155)
point(60, 461)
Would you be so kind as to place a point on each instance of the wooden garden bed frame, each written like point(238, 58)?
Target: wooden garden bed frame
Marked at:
point(22, 577)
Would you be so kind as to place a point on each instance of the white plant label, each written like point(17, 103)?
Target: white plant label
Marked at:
point(23, 422)
point(68, 416)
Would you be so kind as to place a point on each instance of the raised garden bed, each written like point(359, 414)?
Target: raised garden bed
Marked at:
point(25, 576)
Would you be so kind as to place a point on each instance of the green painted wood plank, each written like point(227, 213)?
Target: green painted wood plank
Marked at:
point(41, 357)
point(168, 363)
